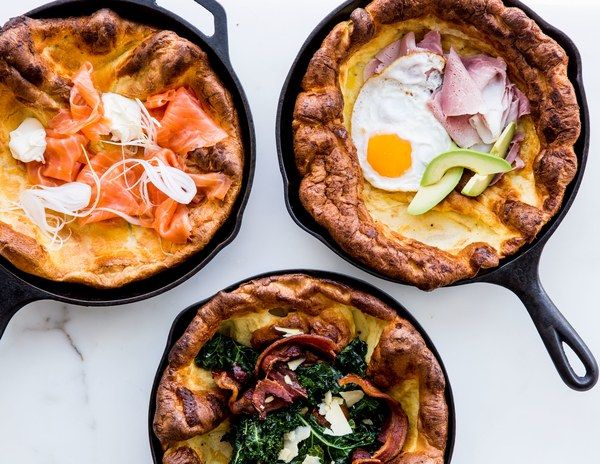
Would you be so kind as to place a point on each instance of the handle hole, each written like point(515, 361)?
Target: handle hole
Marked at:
point(574, 360)
point(195, 14)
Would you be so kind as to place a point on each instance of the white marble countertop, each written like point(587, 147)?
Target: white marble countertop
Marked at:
point(75, 382)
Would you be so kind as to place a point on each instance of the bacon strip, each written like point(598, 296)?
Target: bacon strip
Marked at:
point(395, 431)
point(277, 352)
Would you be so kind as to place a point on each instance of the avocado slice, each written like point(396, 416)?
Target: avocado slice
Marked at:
point(478, 183)
point(427, 197)
point(477, 161)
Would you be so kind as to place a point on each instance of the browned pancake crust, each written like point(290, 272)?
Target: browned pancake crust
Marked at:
point(332, 180)
point(37, 60)
point(401, 353)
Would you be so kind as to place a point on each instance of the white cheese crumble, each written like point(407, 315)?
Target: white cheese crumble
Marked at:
point(352, 397)
point(124, 117)
point(295, 363)
point(268, 399)
point(311, 460)
point(288, 332)
point(291, 440)
point(331, 409)
point(28, 141)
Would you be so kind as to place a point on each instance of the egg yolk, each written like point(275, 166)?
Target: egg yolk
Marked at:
point(389, 154)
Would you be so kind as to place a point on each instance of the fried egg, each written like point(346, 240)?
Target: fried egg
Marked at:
point(393, 130)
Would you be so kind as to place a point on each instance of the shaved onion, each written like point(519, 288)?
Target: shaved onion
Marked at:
point(127, 217)
point(67, 199)
point(173, 182)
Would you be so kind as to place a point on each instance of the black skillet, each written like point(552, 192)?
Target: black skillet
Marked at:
point(519, 273)
point(184, 318)
point(19, 288)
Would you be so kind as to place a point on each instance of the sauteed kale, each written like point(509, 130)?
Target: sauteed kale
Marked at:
point(222, 353)
point(352, 359)
point(260, 441)
point(318, 379)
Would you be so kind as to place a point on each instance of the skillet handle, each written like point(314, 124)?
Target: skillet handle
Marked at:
point(522, 277)
point(14, 295)
point(219, 40)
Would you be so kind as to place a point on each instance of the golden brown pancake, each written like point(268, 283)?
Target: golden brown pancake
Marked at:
point(192, 414)
point(38, 58)
point(461, 235)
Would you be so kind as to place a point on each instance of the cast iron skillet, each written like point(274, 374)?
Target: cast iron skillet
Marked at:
point(18, 288)
point(185, 317)
point(518, 273)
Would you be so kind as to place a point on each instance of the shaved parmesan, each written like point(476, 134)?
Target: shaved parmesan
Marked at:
point(295, 363)
point(268, 399)
point(352, 397)
point(331, 409)
point(311, 460)
point(287, 379)
point(291, 440)
point(28, 141)
point(288, 332)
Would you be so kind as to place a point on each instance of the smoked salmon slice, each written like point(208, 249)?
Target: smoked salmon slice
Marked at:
point(184, 126)
point(62, 157)
point(172, 221)
point(213, 184)
point(125, 191)
point(114, 189)
point(85, 113)
point(35, 175)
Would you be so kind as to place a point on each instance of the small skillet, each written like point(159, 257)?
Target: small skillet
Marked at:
point(184, 318)
point(520, 272)
point(19, 288)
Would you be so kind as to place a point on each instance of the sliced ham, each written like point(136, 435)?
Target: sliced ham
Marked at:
point(459, 94)
point(476, 100)
point(432, 42)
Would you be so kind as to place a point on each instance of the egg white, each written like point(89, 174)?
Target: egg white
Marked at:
point(395, 102)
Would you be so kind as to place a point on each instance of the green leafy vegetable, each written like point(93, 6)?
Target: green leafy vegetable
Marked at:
point(318, 379)
point(221, 353)
point(337, 449)
point(369, 408)
point(258, 441)
point(351, 359)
